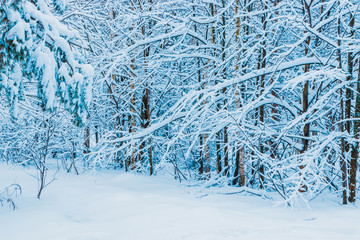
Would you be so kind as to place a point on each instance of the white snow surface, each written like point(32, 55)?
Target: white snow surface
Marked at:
point(112, 205)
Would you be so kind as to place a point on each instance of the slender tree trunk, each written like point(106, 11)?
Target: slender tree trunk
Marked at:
point(112, 90)
point(87, 140)
point(203, 158)
point(349, 146)
point(151, 159)
point(237, 97)
point(355, 151)
point(96, 134)
point(239, 156)
point(274, 111)
point(225, 130)
point(145, 103)
point(213, 12)
point(262, 64)
point(343, 162)
point(132, 120)
point(242, 167)
point(133, 112)
point(205, 145)
point(305, 93)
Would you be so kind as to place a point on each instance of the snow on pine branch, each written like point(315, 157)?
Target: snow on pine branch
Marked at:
point(36, 47)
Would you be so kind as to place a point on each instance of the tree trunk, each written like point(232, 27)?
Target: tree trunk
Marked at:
point(239, 172)
point(87, 140)
point(262, 64)
point(218, 135)
point(133, 159)
point(305, 93)
point(349, 146)
point(225, 130)
point(355, 150)
point(343, 162)
point(145, 102)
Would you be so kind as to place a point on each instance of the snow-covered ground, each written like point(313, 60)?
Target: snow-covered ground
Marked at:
point(117, 206)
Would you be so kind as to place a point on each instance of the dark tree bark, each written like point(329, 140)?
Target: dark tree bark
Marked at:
point(349, 146)
point(305, 93)
point(343, 162)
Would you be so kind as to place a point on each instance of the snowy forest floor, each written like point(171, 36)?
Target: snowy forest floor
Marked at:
point(113, 205)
